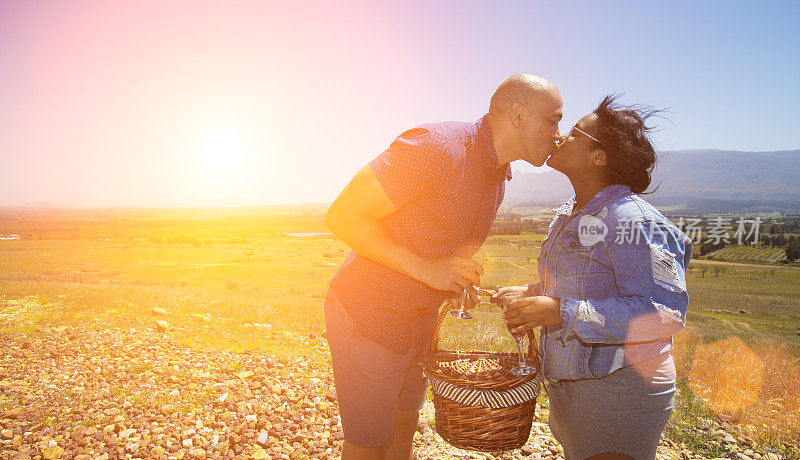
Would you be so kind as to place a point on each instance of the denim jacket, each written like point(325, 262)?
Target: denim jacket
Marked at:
point(619, 267)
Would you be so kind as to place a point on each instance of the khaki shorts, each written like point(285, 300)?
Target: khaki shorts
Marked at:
point(372, 382)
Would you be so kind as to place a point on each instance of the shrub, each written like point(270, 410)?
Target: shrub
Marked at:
point(793, 251)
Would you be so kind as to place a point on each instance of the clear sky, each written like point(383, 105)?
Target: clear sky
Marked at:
point(153, 103)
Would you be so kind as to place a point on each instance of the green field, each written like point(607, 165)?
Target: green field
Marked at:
point(237, 281)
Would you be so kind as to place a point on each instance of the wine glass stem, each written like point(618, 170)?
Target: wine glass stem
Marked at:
point(519, 349)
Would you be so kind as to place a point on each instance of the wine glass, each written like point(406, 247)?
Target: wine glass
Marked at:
point(522, 368)
point(467, 252)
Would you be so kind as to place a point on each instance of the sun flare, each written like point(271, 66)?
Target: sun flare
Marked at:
point(222, 151)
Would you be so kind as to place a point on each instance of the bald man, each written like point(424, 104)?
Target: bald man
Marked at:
point(407, 215)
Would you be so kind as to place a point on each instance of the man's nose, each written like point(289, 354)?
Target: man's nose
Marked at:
point(560, 139)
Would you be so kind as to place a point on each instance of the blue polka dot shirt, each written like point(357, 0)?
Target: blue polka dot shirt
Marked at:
point(447, 184)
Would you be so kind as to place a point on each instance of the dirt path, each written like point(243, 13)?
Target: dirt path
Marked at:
point(765, 267)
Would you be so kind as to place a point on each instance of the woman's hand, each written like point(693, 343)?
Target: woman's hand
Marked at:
point(524, 313)
point(497, 298)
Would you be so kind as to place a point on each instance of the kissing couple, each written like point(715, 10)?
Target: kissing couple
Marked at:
point(607, 304)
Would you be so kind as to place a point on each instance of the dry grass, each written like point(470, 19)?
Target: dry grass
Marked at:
point(755, 386)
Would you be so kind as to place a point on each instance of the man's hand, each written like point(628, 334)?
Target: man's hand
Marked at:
point(524, 313)
point(473, 298)
point(453, 274)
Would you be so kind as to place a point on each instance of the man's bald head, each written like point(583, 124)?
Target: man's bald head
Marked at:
point(524, 115)
point(525, 88)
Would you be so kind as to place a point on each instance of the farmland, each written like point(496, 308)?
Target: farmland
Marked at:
point(749, 253)
point(255, 280)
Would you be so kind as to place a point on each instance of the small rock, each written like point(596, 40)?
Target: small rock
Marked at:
point(245, 374)
point(263, 439)
point(16, 412)
point(162, 325)
point(6, 434)
point(222, 398)
point(159, 311)
point(52, 452)
point(187, 443)
point(251, 418)
point(77, 433)
point(125, 434)
point(258, 453)
point(197, 453)
point(168, 409)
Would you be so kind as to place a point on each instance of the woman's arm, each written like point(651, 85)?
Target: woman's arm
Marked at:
point(649, 269)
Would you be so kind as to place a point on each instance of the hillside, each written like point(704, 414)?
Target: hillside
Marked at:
point(710, 180)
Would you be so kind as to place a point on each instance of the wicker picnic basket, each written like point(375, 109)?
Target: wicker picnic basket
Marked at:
point(480, 405)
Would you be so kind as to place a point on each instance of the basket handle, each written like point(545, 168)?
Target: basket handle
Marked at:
point(533, 349)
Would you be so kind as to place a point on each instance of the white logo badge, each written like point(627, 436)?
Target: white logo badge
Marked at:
point(591, 230)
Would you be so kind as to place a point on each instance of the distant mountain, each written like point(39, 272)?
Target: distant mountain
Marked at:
point(699, 180)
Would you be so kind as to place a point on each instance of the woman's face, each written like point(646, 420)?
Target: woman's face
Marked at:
point(577, 153)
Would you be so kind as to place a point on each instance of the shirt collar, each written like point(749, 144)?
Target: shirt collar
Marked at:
point(597, 202)
point(485, 138)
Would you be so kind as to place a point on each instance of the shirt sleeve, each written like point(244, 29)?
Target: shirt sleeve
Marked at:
point(650, 272)
point(414, 165)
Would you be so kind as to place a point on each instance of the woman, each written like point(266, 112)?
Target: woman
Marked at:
point(612, 293)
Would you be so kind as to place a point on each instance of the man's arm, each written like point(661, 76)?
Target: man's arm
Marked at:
point(354, 217)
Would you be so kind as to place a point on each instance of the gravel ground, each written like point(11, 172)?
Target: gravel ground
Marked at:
point(81, 393)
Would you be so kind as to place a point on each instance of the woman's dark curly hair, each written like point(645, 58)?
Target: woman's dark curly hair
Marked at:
point(623, 133)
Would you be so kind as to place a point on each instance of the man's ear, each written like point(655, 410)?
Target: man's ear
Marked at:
point(515, 112)
point(599, 157)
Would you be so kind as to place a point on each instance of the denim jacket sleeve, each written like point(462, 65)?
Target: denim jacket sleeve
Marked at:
point(649, 267)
